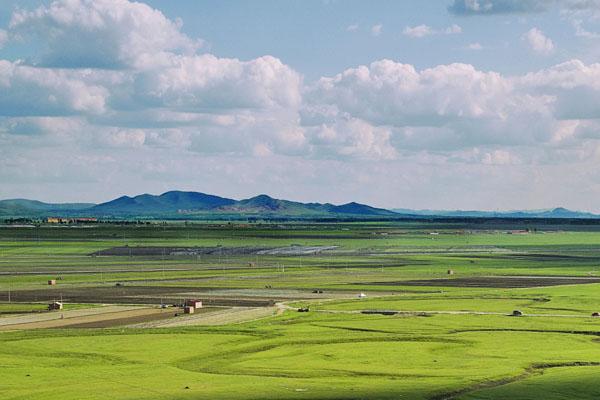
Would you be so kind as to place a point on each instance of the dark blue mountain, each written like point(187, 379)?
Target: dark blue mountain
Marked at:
point(169, 202)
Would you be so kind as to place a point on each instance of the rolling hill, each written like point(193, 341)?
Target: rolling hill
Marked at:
point(179, 204)
point(558, 212)
point(32, 208)
point(183, 205)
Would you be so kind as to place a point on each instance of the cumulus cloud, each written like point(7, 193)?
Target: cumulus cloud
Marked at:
point(491, 7)
point(206, 82)
point(418, 31)
point(29, 90)
point(376, 29)
point(101, 33)
point(422, 30)
point(538, 42)
point(351, 138)
point(580, 31)
point(164, 112)
point(474, 46)
point(212, 105)
point(453, 107)
point(388, 92)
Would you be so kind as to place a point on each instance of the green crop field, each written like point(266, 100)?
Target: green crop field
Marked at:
point(447, 335)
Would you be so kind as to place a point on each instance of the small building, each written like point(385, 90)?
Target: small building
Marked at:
point(51, 282)
point(450, 272)
point(85, 220)
point(188, 310)
point(55, 305)
point(194, 303)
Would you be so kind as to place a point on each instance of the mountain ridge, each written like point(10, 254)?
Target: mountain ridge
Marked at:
point(184, 203)
point(557, 212)
point(189, 204)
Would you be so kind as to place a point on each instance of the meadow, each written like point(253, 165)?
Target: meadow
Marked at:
point(448, 335)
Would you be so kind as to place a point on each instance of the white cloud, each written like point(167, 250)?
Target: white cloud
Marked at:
point(261, 150)
point(40, 91)
point(538, 42)
point(580, 31)
point(452, 107)
point(453, 30)
point(352, 28)
point(498, 157)
point(376, 29)
point(474, 46)
point(165, 115)
point(206, 82)
point(101, 33)
point(418, 31)
point(351, 138)
point(422, 30)
point(490, 7)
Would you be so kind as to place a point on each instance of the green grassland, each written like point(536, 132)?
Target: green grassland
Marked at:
point(446, 342)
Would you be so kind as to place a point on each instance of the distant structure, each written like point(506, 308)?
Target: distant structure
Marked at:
point(55, 305)
point(193, 303)
point(450, 272)
point(188, 310)
point(51, 282)
point(84, 220)
point(78, 220)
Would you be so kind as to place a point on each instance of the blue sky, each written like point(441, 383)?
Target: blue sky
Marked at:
point(487, 104)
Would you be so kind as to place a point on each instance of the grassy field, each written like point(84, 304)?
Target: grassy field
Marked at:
point(450, 337)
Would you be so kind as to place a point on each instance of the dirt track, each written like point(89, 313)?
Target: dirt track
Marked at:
point(97, 317)
point(138, 295)
point(214, 317)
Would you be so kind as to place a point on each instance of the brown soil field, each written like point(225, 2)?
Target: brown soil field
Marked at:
point(104, 317)
point(140, 295)
point(213, 316)
point(88, 272)
point(496, 282)
point(159, 251)
point(58, 319)
point(126, 318)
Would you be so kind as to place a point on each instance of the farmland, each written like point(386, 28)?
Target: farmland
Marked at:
point(432, 322)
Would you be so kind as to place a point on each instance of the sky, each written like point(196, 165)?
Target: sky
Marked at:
point(443, 104)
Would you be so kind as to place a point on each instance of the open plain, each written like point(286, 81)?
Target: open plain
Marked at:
point(415, 310)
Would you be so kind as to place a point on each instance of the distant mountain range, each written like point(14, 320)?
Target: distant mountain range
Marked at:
point(191, 205)
point(558, 212)
point(177, 204)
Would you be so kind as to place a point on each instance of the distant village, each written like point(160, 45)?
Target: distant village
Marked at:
point(78, 220)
